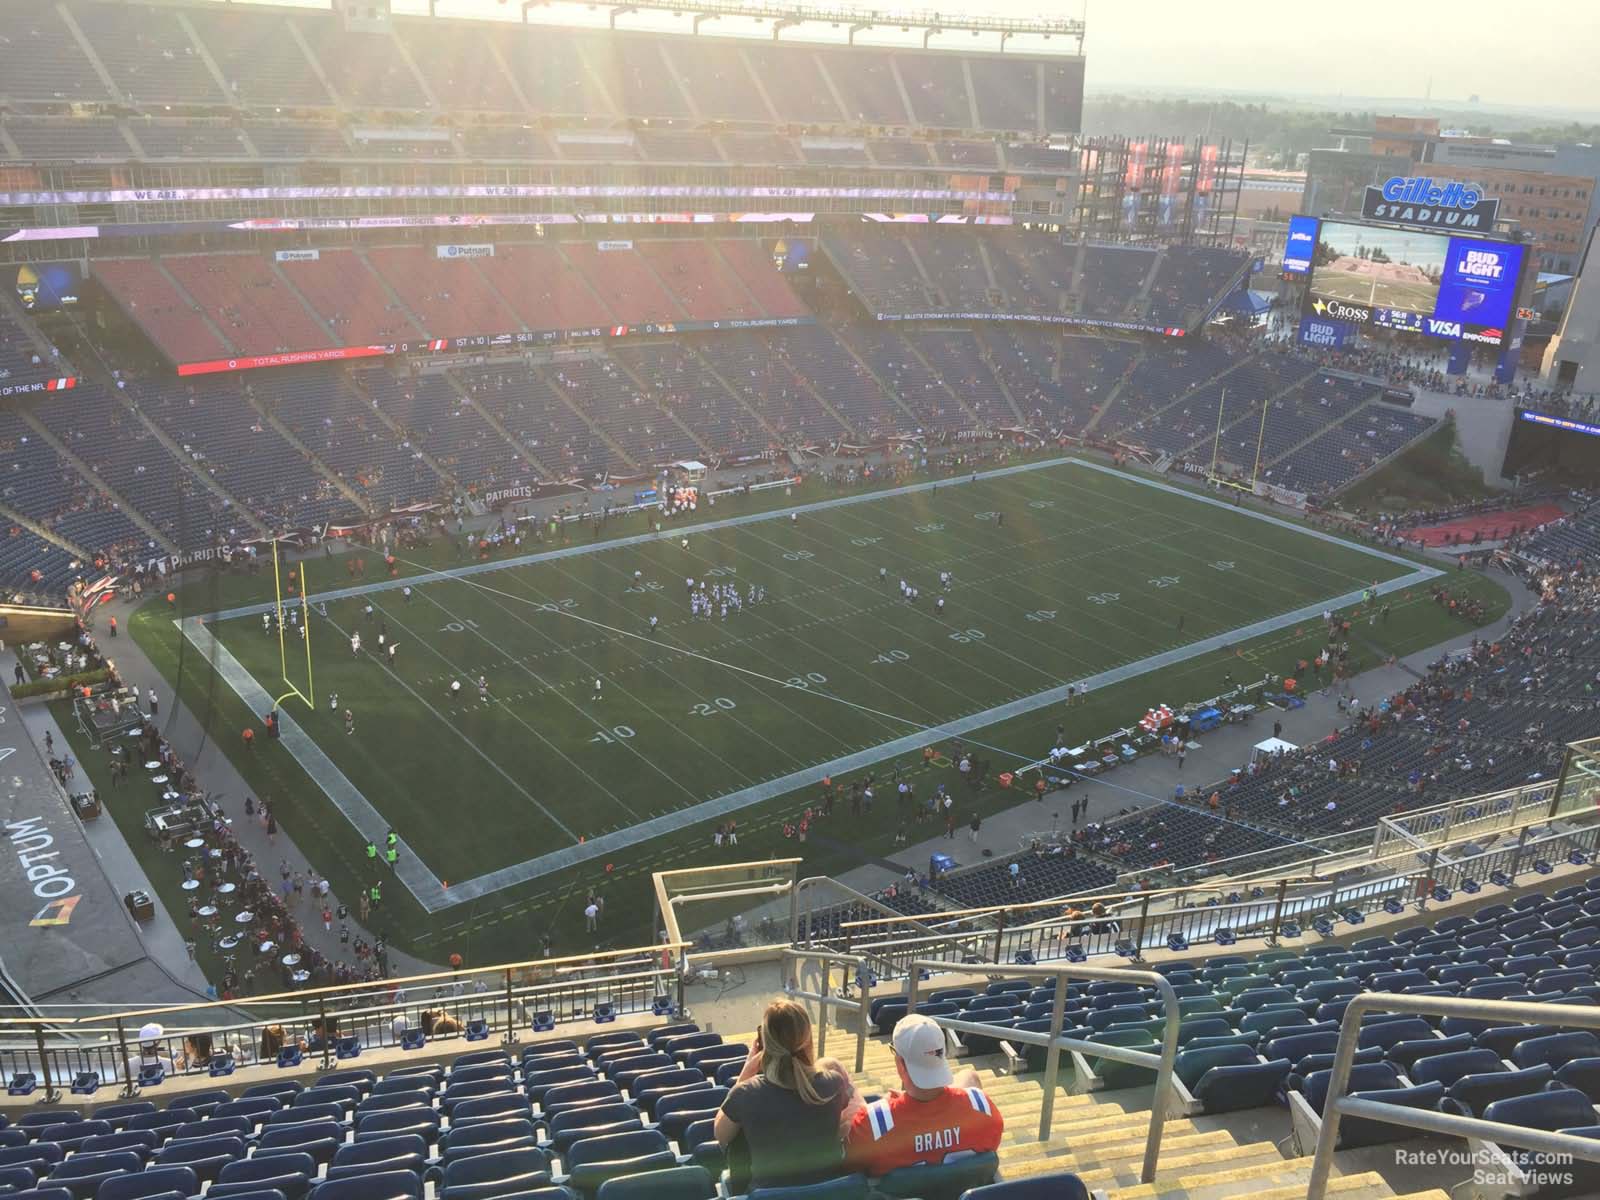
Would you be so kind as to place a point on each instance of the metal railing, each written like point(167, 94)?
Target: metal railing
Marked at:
point(1055, 1043)
point(1339, 1105)
point(825, 998)
point(719, 883)
point(1147, 920)
point(506, 999)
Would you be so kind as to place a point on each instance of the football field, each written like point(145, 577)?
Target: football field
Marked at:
point(597, 735)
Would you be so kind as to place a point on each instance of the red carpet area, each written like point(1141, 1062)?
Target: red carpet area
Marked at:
point(1492, 526)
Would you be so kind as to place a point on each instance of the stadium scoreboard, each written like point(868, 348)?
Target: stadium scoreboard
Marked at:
point(1363, 275)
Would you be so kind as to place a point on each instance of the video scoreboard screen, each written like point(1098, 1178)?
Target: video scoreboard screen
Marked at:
point(1410, 280)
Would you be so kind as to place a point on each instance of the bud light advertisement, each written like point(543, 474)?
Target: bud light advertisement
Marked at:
point(1479, 284)
point(1302, 243)
point(1323, 335)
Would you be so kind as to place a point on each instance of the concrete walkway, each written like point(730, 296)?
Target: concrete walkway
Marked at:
point(217, 774)
point(163, 940)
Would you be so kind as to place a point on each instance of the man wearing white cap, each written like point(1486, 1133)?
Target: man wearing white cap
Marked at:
point(936, 1117)
point(150, 1052)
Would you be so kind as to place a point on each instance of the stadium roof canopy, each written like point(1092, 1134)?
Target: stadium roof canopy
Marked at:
point(808, 21)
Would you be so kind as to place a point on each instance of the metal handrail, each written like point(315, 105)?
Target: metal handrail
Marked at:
point(1338, 1104)
point(766, 877)
point(1055, 1043)
point(811, 882)
point(825, 999)
point(1310, 877)
point(504, 1012)
point(337, 992)
point(1147, 925)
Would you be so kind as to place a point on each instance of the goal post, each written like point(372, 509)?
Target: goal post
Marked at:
point(284, 605)
point(1218, 476)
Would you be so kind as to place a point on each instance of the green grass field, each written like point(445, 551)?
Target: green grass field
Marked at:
point(1088, 573)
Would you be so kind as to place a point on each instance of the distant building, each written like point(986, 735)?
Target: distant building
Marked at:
point(1552, 192)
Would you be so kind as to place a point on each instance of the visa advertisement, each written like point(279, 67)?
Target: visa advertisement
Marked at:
point(1413, 281)
point(1300, 246)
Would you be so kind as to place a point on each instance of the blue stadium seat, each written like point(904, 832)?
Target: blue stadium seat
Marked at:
point(497, 1173)
point(1058, 1186)
point(1556, 1049)
point(385, 1185)
point(672, 1183)
point(143, 1141)
point(591, 1120)
point(592, 1161)
point(17, 1179)
point(82, 1174)
point(505, 1107)
point(1355, 1132)
point(403, 1152)
point(945, 1181)
point(845, 1187)
point(487, 1137)
point(205, 1156)
point(152, 1182)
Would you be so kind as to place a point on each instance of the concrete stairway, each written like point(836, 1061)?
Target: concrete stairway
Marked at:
point(1100, 1137)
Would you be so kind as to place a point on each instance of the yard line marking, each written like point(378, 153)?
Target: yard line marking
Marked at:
point(593, 671)
point(475, 748)
point(754, 611)
point(531, 729)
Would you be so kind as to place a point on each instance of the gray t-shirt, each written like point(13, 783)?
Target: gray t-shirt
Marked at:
point(791, 1142)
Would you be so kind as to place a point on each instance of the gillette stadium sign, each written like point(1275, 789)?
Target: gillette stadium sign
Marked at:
point(1418, 200)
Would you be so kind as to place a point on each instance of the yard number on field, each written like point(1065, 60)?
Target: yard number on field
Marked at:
point(1105, 597)
point(1042, 614)
point(711, 709)
point(1222, 565)
point(798, 555)
point(967, 635)
point(1163, 581)
point(806, 680)
point(617, 733)
point(458, 626)
point(890, 657)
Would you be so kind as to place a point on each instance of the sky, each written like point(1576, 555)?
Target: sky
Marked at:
point(1357, 48)
point(1353, 48)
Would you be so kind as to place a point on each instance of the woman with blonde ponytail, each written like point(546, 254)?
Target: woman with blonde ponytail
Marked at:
point(788, 1106)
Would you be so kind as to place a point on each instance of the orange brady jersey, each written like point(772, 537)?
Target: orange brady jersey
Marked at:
point(897, 1131)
